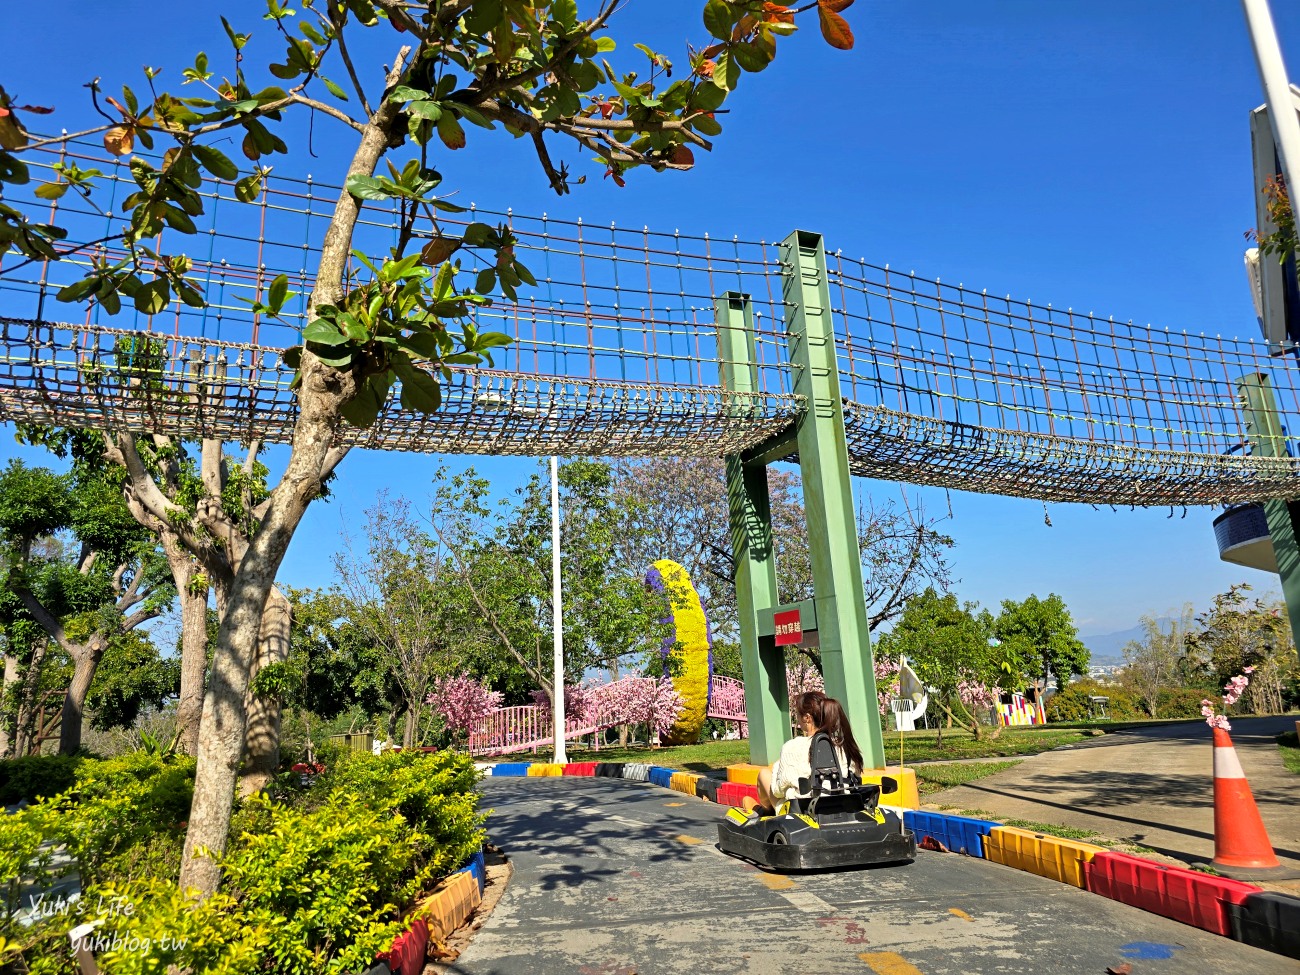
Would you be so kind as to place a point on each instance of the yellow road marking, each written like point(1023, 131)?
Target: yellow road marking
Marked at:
point(689, 840)
point(672, 805)
point(960, 913)
point(889, 963)
point(776, 881)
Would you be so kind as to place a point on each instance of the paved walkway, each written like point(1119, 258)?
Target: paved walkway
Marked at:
point(1151, 786)
point(623, 878)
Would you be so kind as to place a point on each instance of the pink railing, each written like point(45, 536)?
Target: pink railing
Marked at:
point(528, 727)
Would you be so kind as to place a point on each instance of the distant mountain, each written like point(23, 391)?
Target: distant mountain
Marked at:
point(1107, 649)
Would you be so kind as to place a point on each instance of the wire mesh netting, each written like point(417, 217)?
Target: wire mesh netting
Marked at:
point(616, 352)
point(950, 386)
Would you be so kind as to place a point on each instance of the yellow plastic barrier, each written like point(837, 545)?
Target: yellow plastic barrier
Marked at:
point(1047, 856)
point(683, 782)
point(745, 774)
point(451, 904)
point(907, 796)
point(545, 768)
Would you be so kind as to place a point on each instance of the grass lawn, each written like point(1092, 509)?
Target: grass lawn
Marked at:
point(935, 778)
point(712, 757)
point(1289, 746)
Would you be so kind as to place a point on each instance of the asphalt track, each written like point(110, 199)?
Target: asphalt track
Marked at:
point(623, 878)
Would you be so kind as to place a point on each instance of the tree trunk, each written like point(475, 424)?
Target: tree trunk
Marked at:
point(27, 694)
point(392, 723)
point(221, 733)
point(262, 737)
point(85, 661)
point(9, 706)
point(411, 725)
point(193, 594)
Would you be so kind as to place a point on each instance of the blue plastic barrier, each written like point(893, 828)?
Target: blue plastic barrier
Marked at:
point(960, 834)
point(476, 866)
point(661, 776)
point(511, 768)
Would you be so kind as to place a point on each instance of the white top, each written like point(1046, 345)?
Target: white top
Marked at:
point(795, 764)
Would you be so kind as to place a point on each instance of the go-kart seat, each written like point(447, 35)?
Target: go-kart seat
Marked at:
point(829, 793)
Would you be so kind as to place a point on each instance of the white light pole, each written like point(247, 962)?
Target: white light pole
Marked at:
point(557, 697)
point(1277, 90)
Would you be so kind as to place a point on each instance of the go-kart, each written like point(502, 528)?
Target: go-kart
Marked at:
point(837, 823)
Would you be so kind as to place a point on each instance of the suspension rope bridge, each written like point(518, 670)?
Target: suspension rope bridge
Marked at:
point(616, 352)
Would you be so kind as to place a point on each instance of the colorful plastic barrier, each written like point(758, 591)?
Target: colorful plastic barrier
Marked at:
point(1195, 898)
point(406, 956)
point(1047, 856)
point(511, 768)
point(660, 776)
point(580, 768)
point(636, 772)
point(960, 834)
point(1268, 920)
point(544, 768)
point(683, 782)
point(477, 868)
point(707, 788)
point(609, 770)
point(731, 793)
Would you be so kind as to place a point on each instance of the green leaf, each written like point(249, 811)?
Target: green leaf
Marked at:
point(706, 125)
point(707, 97)
point(751, 57)
point(334, 89)
point(450, 132)
point(323, 332)
point(51, 191)
point(368, 187)
point(277, 293)
point(248, 189)
point(726, 74)
point(426, 110)
point(152, 298)
point(292, 356)
point(216, 162)
point(364, 408)
point(420, 391)
point(605, 44)
point(78, 289)
point(339, 359)
point(405, 93)
point(718, 20)
point(487, 281)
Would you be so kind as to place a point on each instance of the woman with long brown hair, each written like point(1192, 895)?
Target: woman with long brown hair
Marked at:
point(814, 712)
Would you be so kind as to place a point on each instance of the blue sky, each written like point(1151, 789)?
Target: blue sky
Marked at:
point(1094, 155)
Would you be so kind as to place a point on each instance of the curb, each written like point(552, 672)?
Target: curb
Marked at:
point(1230, 908)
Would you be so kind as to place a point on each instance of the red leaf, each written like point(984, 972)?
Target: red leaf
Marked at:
point(706, 69)
point(834, 27)
point(682, 156)
point(606, 109)
point(775, 13)
point(836, 5)
point(438, 250)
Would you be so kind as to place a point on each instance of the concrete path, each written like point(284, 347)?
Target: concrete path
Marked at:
point(623, 878)
point(1150, 786)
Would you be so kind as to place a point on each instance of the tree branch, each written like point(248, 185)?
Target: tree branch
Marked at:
point(43, 617)
point(330, 110)
point(352, 72)
point(129, 623)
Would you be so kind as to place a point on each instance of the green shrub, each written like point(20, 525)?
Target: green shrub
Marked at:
point(1073, 704)
point(36, 776)
point(315, 885)
point(1181, 702)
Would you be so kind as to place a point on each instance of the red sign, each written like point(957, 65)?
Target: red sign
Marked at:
point(789, 627)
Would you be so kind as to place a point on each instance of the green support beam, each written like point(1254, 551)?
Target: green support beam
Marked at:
point(828, 492)
point(766, 695)
point(1268, 439)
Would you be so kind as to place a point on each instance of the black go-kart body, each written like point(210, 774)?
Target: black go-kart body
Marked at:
point(839, 823)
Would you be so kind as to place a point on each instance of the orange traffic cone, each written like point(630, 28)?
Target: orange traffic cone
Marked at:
point(1240, 839)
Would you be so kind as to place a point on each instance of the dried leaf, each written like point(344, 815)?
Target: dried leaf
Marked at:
point(119, 140)
point(834, 27)
point(438, 250)
point(836, 5)
point(1121, 969)
point(682, 156)
point(775, 13)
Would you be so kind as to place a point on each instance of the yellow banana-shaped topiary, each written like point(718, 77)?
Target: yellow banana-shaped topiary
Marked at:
point(691, 644)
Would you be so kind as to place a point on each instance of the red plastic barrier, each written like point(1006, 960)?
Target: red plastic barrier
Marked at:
point(730, 793)
point(580, 768)
point(406, 957)
point(1194, 898)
